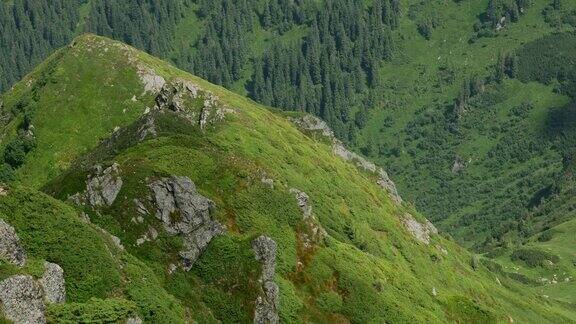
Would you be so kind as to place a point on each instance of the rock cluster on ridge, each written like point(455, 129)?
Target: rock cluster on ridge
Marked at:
point(102, 187)
point(420, 231)
point(183, 211)
point(199, 106)
point(311, 123)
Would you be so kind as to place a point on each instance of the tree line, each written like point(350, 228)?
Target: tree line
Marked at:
point(329, 68)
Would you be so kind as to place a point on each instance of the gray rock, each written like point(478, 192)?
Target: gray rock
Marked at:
point(267, 303)
point(315, 233)
point(21, 299)
point(311, 123)
point(140, 208)
point(267, 181)
point(150, 79)
point(182, 96)
point(420, 231)
point(134, 320)
point(53, 283)
point(303, 202)
point(265, 252)
point(150, 235)
point(148, 128)
point(183, 211)
point(103, 186)
point(10, 248)
point(458, 165)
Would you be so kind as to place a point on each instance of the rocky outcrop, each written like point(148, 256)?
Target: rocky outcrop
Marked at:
point(420, 231)
point(148, 127)
point(183, 211)
point(151, 81)
point(149, 236)
point(187, 98)
point(53, 284)
point(458, 165)
point(314, 232)
point(10, 248)
point(267, 303)
point(103, 185)
point(268, 182)
point(311, 123)
point(21, 300)
point(303, 202)
point(21, 297)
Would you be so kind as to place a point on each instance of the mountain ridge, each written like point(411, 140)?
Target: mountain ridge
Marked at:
point(345, 250)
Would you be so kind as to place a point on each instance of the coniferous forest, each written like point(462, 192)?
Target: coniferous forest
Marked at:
point(328, 67)
point(184, 178)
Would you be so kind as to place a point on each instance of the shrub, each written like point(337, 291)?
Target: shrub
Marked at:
point(93, 311)
point(329, 302)
point(16, 150)
point(533, 258)
point(6, 173)
point(546, 236)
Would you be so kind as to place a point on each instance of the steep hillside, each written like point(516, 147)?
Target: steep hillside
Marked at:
point(462, 129)
point(423, 87)
point(198, 204)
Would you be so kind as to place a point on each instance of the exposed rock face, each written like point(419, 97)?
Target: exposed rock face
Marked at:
point(148, 128)
point(458, 165)
point(149, 236)
point(103, 186)
point(419, 231)
point(52, 282)
point(315, 232)
point(302, 199)
point(183, 211)
point(268, 302)
point(197, 105)
point(150, 79)
point(10, 248)
point(312, 123)
point(21, 299)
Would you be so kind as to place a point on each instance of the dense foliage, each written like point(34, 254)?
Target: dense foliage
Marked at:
point(326, 59)
point(30, 30)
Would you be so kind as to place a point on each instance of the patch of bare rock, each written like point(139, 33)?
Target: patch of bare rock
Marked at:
point(267, 302)
point(311, 123)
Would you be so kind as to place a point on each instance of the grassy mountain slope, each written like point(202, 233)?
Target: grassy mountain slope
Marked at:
point(496, 138)
point(439, 46)
point(368, 267)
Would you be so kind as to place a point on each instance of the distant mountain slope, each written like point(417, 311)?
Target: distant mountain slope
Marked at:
point(220, 209)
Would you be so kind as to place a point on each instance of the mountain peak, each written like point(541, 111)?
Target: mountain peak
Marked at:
point(215, 208)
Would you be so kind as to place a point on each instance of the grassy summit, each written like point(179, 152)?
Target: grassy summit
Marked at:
point(344, 254)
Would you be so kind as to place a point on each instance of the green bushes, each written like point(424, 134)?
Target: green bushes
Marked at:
point(50, 230)
point(329, 302)
point(93, 311)
point(6, 173)
point(464, 310)
point(534, 258)
point(546, 236)
point(15, 152)
point(557, 15)
point(547, 59)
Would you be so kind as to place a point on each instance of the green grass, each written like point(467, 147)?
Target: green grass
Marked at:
point(369, 268)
